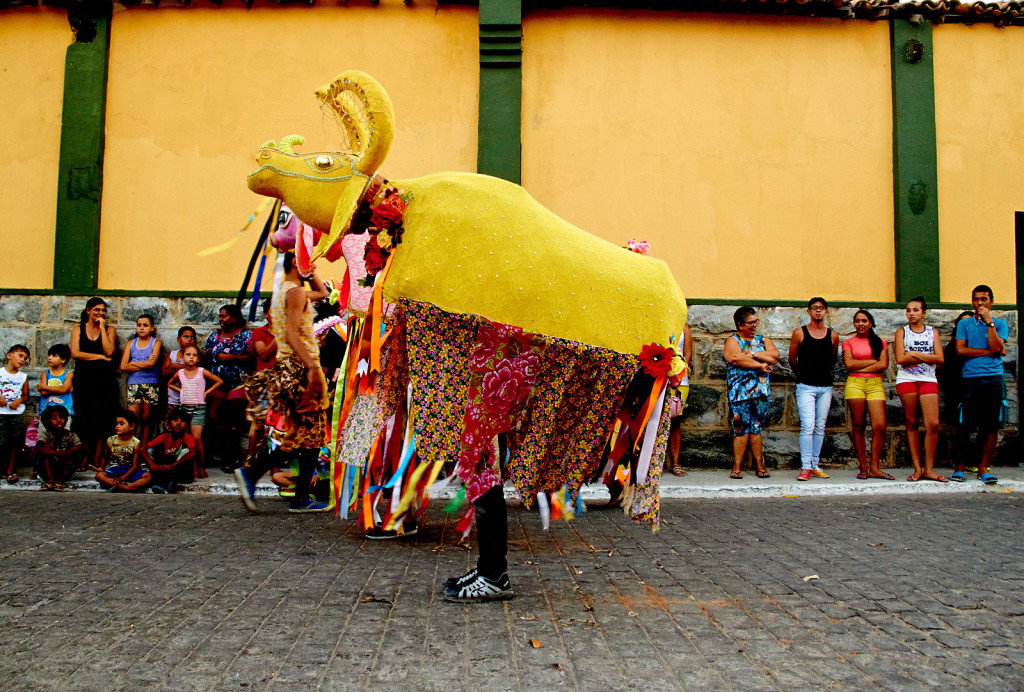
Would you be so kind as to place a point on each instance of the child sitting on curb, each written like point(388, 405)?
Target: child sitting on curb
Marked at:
point(171, 456)
point(122, 471)
point(58, 449)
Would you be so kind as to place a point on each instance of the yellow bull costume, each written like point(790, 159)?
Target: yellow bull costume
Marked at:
point(503, 318)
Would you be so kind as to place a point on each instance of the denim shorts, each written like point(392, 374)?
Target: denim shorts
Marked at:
point(197, 412)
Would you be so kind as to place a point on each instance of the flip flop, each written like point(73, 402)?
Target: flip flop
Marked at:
point(862, 476)
point(938, 479)
point(914, 477)
point(887, 476)
point(763, 474)
point(735, 475)
point(678, 471)
point(988, 479)
point(957, 476)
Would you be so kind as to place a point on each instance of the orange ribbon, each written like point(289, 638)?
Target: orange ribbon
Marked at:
point(376, 316)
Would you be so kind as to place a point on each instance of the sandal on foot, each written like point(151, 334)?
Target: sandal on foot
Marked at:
point(987, 478)
point(763, 474)
point(938, 479)
point(862, 476)
point(736, 474)
point(914, 477)
point(957, 476)
point(678, 471)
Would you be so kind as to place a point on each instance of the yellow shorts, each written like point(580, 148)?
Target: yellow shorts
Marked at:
point(870, 388)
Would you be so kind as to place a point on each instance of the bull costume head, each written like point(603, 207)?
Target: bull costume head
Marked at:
point(324, 188)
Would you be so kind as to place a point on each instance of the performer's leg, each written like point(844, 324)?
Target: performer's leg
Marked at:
point(492, 533)
point(489, 581)
point(307, 466)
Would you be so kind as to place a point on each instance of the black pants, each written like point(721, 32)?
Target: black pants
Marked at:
point(307, 465)
point(492, 533)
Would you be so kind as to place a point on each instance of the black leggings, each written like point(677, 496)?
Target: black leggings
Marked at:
point(307, 465)
point(492, 533)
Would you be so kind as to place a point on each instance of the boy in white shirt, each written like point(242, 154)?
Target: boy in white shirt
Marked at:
point(13, 395)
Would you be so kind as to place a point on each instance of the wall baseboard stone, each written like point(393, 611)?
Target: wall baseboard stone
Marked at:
point(40, 321)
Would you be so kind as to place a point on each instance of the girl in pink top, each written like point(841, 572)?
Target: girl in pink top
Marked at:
point(190, 383)
point(866, 358)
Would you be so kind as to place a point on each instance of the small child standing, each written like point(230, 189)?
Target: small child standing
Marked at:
point(13, 395)
point(139, 360)
point(171, 455)
point(58, 448)
point(55, 386)
point(175, 362)
point(190, 384)
point(120, 466)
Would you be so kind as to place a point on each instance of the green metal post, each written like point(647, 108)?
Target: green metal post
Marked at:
point(915, 170)
point(80, 181)
point(499, 138)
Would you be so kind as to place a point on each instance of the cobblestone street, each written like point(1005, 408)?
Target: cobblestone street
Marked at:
point(191, 592)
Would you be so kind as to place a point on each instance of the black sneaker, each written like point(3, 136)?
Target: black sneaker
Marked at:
point(481, 589)
point(379, 534)
point(459, 582)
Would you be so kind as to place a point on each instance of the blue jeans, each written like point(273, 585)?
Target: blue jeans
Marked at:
point(813, 403)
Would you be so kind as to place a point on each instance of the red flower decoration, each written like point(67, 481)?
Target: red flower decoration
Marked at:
point(486, 347)
point(656, 359)
point(374, 257)
point(388, 213)
point(503, 388)
point(528, 363)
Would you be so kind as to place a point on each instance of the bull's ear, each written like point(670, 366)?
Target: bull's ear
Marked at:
point(343, 212)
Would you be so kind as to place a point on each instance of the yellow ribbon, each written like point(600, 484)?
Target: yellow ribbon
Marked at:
point(227, 244)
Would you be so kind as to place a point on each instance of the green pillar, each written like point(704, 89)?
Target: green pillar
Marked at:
point(499, 139)
point(80, 181)
point(915, 170)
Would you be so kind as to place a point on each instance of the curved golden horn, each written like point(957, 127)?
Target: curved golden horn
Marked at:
point(365, 111)
point(288, 141)
point(269, 144)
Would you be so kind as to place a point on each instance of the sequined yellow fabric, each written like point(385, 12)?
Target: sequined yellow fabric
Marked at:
point(481, 245)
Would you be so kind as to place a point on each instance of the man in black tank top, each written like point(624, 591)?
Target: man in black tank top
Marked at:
point(812, 355)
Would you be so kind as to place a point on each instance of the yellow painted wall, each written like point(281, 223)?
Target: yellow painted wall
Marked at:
point(33, 44)
point(193, 92)
point(979, 111)
point(753, 152)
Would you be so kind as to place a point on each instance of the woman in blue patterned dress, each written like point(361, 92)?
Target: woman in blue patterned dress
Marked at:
point(749, 358)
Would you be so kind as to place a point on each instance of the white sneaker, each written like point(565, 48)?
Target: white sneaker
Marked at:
point(480, 589)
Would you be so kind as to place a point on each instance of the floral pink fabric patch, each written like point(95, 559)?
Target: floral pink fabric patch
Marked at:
point(503, 369)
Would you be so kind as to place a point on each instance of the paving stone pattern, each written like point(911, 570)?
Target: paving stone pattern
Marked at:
point(180, 593)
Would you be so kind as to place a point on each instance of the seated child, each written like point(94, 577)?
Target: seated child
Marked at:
point(121, 469)
point(171, 455)
point(59, 450)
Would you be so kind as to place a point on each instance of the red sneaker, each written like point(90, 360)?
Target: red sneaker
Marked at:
point(804, 475)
